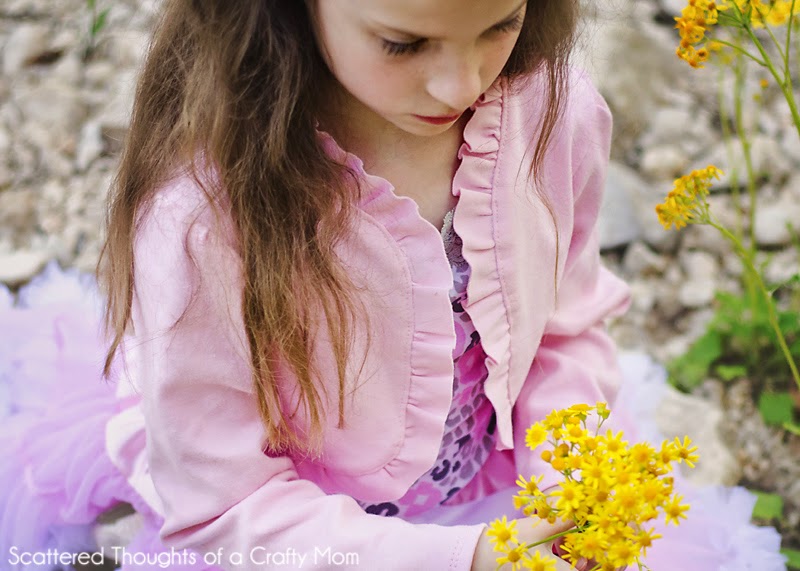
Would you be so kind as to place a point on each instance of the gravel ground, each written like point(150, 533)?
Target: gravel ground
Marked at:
point(63, 117)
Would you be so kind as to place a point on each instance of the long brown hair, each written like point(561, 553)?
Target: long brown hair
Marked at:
point(238, 83)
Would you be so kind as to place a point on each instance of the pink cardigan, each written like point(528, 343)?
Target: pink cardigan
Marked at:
point(191, 440)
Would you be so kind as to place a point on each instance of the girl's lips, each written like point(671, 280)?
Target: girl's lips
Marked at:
point(437, 120)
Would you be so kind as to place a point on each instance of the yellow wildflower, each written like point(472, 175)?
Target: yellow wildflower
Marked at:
point(610, 489)
point(685, 451)
point(687, 201)
point(500, 532)
point(621, 554)
point(535, 436)
point(530, 487)
point(543, 509)
point(555, 419)
point(614, 444)
point(674, 510)
point(536, 562)
point(513, 555)
point(641, 454)
point(696, 19)
point(570, 496)
point(645, 538)
point(653, 492)
point(588, 545)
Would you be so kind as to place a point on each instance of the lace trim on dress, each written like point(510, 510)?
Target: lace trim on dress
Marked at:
point(452, 242)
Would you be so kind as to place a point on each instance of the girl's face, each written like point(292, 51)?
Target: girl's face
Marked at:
point(404, 60)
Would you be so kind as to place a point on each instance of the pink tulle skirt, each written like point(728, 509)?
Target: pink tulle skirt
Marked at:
point(56, 478)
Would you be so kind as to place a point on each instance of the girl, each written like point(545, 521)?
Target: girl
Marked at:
point(351, 257)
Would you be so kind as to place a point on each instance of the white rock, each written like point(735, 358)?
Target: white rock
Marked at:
point(641, 260)
point(701, 236)
point(790, 144)
point(56, 107)
point(772, 219)
point(643, 295)
point(618, 224)
point(782, 266)
point(69, 69)
point(119, 532)
point(18, 209)
point(681, 124)
point(699, 264)
point(6, 177)
point(5, 142)
point(792, 186)
point(116, 114)
point(732, 265)
point(673, 7)
point(19, 267)
point(682, 415)
point(24, 44)
point(701, 270)
point(664, 162)
point(767, 159)
point(667, 303)
point(99, 73)
point(90, 145)
point(128, 49)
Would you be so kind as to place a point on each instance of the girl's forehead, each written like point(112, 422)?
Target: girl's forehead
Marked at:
point(432, 18)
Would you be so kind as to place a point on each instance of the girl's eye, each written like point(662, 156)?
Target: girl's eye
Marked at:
point(398, 48)
point(511, 25)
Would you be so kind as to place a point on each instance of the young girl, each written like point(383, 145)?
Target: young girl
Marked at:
point(351, 257)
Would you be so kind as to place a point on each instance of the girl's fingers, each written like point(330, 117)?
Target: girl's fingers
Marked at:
point(561, 565)
point(532, 530)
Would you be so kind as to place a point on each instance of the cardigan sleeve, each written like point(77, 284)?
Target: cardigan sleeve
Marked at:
point(219, 491)
point(576, 359)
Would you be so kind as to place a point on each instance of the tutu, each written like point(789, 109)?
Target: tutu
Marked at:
point(57, 479)
point(717, 534)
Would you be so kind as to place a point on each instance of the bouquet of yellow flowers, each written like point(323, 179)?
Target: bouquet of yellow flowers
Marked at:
point(610, 491)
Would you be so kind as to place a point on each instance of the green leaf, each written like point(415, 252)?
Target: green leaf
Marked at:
point(792, 427)
point(776, 408)
point(689, 370)
point(90, 4)
point(768, 506)
point(793, 558)
point(99, 22)
point(730, 372)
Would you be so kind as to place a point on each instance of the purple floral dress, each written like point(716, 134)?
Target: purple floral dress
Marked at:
point(470, 427)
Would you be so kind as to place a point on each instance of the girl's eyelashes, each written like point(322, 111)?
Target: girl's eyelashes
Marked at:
point(399, 48)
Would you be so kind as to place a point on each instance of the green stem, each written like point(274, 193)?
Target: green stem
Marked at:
point(727, 139)
point(740, 75)
point(776, 42)
point(740, 71)
point(747, 259)
point(786, 52)
point(741, 50)
point(785, 83)
point(551, 538)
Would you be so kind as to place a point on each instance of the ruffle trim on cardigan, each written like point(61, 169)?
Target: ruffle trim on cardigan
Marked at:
point(475, 221)
point(432, 339)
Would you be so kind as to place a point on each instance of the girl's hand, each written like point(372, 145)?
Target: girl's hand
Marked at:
point(582, 564)
point(529, 531)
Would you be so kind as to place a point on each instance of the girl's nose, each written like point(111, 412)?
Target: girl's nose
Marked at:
point(456, 82)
